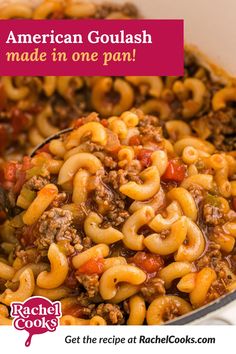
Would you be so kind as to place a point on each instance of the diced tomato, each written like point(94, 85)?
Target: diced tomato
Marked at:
point(19, 122)
point(78, 123)
point(149, 262)
point(104, 122)
point(10, 171)
point(13, 174)
point(26, 163)
point(234, 203)
point(3, 138)
point(175, 171)
point(144, 156)
point(92, 266)
point(134, 140)
point(21, 174)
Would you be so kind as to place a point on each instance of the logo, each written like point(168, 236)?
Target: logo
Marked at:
point(36, 315)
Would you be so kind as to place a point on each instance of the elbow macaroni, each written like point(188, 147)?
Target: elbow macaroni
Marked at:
point(120, 273)
point(141, 217)
point(58, 272)
point(148, 189)
point(99, 235)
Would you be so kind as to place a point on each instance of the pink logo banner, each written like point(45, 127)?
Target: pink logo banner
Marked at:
point(37, 315)
point(92, 47)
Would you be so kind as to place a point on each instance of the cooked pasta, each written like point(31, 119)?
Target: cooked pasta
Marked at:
point(81, 208)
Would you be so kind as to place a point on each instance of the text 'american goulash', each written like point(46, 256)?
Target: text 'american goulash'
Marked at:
point(93, 37)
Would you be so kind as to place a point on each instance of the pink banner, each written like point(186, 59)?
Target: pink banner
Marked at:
point(91, 47)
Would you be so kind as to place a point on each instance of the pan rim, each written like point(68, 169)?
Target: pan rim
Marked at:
point(205, 310)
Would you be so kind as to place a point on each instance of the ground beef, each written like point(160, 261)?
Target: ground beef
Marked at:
point(112, 314)
point(225, 277)
point(116, 178)
point(210, 258)
point(28, 256)
point(83, 299)
point(116, 217)
point(213, 293)
point(84, 303)
point(149, 121)
point(56, 225)
point(86, 243)
point(90, 283)
point(197, 193)
point(151, 130)
point(127, 9)
point(152, 288)
point(134, 168)
point(65, 114)
point(103, 195)
point(89, 146)
point(36, 183)
point(90, 303)
point(224, 272)
point(107, 161)
point(212, 214)
point(171, 312)
point(150, 133)
point(218, 127)
point(110, 202)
